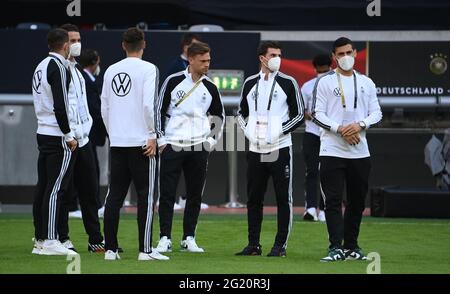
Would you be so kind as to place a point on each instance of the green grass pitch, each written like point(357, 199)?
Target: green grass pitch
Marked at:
point(405, 246)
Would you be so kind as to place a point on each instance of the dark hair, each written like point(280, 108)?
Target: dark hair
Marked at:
point(187, 39)
point(342, 41)
point(56, 39)
point(263, 46)
point(198, 48)
point(133, 39)
point(70, 27)
point(321, 59)
point(88, 57)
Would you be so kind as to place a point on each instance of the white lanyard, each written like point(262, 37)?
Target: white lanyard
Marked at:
point(188, 93)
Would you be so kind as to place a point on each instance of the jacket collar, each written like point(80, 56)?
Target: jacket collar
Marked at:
point(60, 58)
point(271, 75)
point(189, 75)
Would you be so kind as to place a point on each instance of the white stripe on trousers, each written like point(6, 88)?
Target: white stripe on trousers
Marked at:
point(290, 196)
point(107, 195)
point(322, 193)
point(148, 222)
point(159, 178)
point(51, 234)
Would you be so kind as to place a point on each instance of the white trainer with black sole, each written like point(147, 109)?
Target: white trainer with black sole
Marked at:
point(189, 245)
point(154, 255)
point(164, 245)
point(111, 255)
point(69, 245)
point(54, 247)
point(310, 214)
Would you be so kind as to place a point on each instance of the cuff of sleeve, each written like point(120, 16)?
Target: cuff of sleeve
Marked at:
point(69, 136)
point(161, 141)
point(334, 127)
point(152, 136)
point(212, 142)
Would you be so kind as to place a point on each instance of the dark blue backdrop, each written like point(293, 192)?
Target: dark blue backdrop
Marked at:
point(22, 50)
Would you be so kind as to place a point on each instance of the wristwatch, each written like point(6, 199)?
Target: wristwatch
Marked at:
point(362, 125)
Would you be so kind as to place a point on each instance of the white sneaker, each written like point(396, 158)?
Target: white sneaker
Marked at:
point(111, 255)
point(54, 247)
point(101, 212)
point(69, 245)
point(37, 246)
point(310, 214)
point(75, 214)
point(164, 245)
point(154, 255)
point(321, 216)
point(182, 204)
point(190, 245)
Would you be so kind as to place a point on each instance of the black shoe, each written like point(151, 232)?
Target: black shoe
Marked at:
point(100, 248)
point(334, 254)
point(277, 251)
point(354, 254)
point(96, 248)
point(251, 250)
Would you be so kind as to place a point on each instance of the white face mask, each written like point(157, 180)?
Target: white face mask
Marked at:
point(346, 62)
point(274, 64)
point(97, 71)
point(75, 49)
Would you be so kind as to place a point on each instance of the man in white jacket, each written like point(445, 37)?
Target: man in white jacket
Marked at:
point(345, 105)
point(85, 182)
point(56, 142)
point(187, 101)
point(311, 144)
point(271, 108)
point(129, 93)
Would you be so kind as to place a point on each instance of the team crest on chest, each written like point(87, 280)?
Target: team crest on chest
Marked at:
point(275, 95)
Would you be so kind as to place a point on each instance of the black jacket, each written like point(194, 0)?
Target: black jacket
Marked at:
point(98, 132)
point(177, 65)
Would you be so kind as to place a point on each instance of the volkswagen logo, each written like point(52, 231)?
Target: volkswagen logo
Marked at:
point(337, 92)
point(180, 94)
point(121, 84)
point(37, 78)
